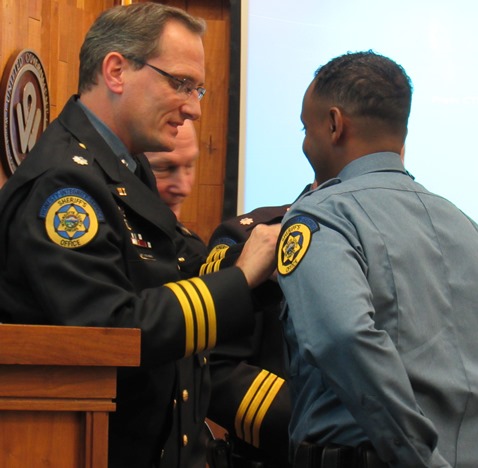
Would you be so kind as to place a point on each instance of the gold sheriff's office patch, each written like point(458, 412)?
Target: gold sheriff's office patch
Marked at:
point(71, 218)
point(294, 242)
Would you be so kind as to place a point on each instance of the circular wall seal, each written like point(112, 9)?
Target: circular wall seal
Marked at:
point(26, 107)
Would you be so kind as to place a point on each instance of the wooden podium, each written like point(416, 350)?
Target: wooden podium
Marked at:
point(57, 386)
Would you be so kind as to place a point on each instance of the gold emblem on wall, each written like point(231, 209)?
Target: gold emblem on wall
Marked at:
point(26, 107)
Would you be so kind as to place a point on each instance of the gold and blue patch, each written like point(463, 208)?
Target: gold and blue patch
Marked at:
point(295, 238)
point(71, 217)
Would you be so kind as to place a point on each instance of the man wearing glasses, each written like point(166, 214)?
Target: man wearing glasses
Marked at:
point(86, 240)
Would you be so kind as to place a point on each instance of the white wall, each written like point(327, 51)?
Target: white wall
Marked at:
point(434, 40)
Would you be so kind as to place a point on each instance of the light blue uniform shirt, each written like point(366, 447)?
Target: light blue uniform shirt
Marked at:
point(381, 282)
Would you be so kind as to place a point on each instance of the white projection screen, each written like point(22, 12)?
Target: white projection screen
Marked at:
point(284, 42)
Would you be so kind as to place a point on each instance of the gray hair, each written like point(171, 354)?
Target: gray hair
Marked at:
point(133, 31)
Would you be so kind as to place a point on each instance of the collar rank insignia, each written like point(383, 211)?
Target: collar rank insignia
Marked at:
point(137, 239)
point(246, 221)
point(121, 191)
point(80, 160)
point(71, 217)
point(294, 242)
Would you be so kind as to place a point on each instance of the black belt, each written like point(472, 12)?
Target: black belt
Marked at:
point(240, 462)
point(337, 456)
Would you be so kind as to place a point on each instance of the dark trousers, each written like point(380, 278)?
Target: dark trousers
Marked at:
point(337, 456)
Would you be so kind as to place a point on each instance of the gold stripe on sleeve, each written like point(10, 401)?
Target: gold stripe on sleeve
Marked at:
point(264, 407)
point(214, 266)
point(246, 401)
point(188, 316)
point(217, 253)
point(198, 311)
point(210, 267)
point(254, 406)
point(210, 311)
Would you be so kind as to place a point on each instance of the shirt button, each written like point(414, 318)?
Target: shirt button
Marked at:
point(185, 395)
point(175, 402)
point(185, 440)
point(204, 359)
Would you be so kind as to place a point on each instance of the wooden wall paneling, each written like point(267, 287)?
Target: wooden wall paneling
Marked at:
point(213, 127)
point(35, 9)
point(209, 10)
point(46, 31)
point(53, 62)
point(214, 106)
point(21, 21)
point(34, 31)
point(176, 3)
point(76, 35)
point(203, 211)
point(209, 209)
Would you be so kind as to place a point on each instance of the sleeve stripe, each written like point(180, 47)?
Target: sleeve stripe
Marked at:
point(245, 403)
point(217, 254)
point(210, 267)
point(210, 310)
point(263, 408)
point(188, 316)
point(199, 312)
point(198, 308)
point(254, 406)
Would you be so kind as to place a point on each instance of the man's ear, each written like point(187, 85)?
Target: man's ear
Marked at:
point(336, 123)
point(113, 68)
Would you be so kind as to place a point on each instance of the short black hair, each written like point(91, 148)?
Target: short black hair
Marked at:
point(366, 84)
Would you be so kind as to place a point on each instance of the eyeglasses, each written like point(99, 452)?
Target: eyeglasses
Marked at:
point(181, 85)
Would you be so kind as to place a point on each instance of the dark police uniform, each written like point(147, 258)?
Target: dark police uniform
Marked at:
point(86, 242)
point(249, 395)
point(193, 388)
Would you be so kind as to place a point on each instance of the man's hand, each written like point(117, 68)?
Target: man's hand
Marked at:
point(257, 260)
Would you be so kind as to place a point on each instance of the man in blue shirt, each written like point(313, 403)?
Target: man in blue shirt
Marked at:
point(380, 276)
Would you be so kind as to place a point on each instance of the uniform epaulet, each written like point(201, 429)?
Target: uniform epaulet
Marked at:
point(80, 155)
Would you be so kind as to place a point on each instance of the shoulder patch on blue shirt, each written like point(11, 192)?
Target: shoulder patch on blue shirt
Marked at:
point(294, 241)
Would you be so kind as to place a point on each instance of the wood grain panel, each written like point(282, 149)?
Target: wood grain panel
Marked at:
point(209, 209)
point(57, 381)
point(57, 439)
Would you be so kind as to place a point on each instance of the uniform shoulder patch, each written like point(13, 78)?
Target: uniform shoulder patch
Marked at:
point(222, 242)
point(294, 241)
point(71, 217)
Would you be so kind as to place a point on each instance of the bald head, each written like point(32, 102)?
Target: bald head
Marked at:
point(175, 170)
